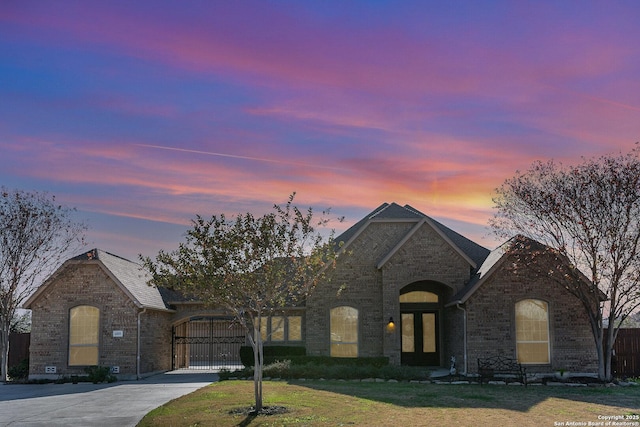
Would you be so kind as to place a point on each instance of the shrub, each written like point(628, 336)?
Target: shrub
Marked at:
point(297, 356)
point(20, 371)
point(347, 371)
point(272, 353)
point(377, 362)
point(278, 369)
point(98, 374)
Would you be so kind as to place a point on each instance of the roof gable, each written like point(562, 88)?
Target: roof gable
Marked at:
point(473, 253)
point(129, 276)
point(134, 278)
point(493, 263)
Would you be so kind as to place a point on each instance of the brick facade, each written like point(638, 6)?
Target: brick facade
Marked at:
point(88, 284)
point(385, 256)
point(395, 249)
point(358, 282)
point(491, 320)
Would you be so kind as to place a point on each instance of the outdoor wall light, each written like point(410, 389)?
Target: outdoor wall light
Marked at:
point(391, 326)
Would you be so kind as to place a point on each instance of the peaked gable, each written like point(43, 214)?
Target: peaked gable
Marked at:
point(493, 263)
point(473, 253)
point(128, 275)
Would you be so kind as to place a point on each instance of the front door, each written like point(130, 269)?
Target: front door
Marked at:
point(420, 341)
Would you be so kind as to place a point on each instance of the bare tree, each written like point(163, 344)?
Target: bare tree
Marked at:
point(590, 215)
point(21, 323)
point(36, 234)
point(249, 266)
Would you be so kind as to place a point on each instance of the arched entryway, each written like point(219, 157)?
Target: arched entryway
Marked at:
point(420, 323)
point(207, 342)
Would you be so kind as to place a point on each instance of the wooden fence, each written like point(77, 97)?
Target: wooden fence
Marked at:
point(626, 362)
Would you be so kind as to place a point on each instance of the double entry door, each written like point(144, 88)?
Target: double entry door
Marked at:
point(420, 340)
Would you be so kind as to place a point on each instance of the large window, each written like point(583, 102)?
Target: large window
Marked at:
point(532, 331)
point(344, 332)
point(83, 335)
point(281, 328)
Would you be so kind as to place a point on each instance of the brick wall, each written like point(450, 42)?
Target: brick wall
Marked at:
point(155, 341)
point(87, 284)
point(357, 282)
point(491, 320)
point(426, 257)
point(453, 339)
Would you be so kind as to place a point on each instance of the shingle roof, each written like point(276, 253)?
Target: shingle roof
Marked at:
point(132, 276)
point(476, 252)
point(487, 267)
point(493, 262)
point(351, 231)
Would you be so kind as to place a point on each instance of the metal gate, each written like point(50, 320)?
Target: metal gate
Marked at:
point(207, 343)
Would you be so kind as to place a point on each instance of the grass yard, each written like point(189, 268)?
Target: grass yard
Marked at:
point(339, 403)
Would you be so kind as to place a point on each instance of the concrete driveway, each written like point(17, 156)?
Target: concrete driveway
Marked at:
point(121, 403)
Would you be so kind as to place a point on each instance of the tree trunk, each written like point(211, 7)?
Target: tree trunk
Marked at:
point(602, 372)
point(608, 351)
point(4, 343)
point(598, 335)
point(257, 368)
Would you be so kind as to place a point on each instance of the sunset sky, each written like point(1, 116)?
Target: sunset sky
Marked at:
point(142, 114)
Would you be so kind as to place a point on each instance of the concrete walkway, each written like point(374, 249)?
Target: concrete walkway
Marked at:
point(122, 403)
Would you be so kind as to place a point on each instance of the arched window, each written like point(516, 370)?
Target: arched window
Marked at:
point(419, 297)
point(344, 332)
point(84, 322)
point(532, 331)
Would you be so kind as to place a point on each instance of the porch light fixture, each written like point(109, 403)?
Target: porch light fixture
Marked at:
point(391, 326)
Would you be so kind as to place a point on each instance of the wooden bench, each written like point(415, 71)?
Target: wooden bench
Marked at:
point(501, 367)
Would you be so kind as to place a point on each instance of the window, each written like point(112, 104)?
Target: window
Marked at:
point(281, 328)
point(532, 331)
point(419, 297)
point(83, 335)
point(277, 328)
point(264, 333)
point(344, 332)
point(295, 328)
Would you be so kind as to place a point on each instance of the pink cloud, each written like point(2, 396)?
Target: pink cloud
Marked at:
point(548, 87)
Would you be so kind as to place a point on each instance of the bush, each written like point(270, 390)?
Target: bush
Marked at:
point(377, 362)
point(272, 353)
point(99, 374)
point(278, 369)
point(20, 371)
point(347, 371)
point(297, 356)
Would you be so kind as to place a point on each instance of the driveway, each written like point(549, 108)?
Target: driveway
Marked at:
point(121, 403)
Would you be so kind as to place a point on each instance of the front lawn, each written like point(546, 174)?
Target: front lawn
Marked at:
point(335, 403)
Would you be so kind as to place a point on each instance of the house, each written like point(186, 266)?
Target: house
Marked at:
point(408, 288)
point(97, 309)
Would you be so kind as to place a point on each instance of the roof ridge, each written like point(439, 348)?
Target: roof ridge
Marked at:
point(115, 256)
point(414, 210)
point(377, 211)
point(95, 254)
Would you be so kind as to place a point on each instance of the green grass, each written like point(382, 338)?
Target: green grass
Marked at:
point(335, 403)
